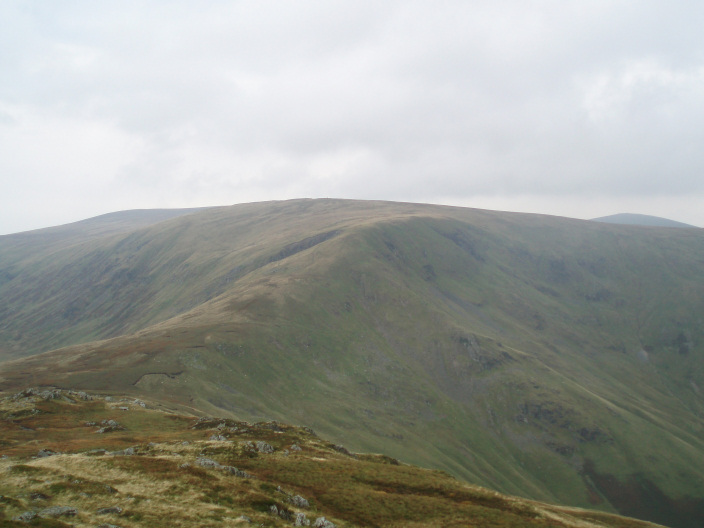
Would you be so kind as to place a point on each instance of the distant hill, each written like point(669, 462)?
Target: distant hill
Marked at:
point(556, 359)
point(640, 219)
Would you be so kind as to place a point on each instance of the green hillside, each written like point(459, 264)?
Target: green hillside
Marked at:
point(555, 359)
point(149, 467)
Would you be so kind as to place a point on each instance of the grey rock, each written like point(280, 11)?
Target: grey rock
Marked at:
point(108, 398)
point(237, 472)
point(46, 453)
point(109, 526)
point(263, 447)
point(111, 509)
point(299, 502)
point(50, 394)
point(300, 519)
point(244, 518)
point(83, 396)
point(125, 452)
point(322, 522)
point(294, 447)
point(208, 463)
point(273, 426)
point(124, 408)
point(218, 438)
point(184, 465)
point(273, 509)
point(343, 450)
point(58, 511)
point(140, 403)
point(38, 496)
point(26, 516)
point(109, 426)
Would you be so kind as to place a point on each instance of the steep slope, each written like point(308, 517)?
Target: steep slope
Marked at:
point(555, 359)
point(154, 468)
point(40, 260)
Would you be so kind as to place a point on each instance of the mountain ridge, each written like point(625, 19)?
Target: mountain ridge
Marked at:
point(518, 351)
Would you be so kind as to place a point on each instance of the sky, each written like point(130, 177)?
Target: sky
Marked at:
point(571, 108)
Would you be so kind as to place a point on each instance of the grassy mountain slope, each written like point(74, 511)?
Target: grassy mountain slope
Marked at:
point(157, 468)
point(39, 261)
point(551, 358)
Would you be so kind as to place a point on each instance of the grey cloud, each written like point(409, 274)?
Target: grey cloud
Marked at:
point(232, 101)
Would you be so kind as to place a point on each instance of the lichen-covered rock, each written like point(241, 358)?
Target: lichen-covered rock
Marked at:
point(299, 502)
point(58, 511)
point(322, 522)
point(237, 472)
point(26, 516)
point(208, 463)
point(50, 394)
point(263, 447)
point(300, 519)
point(109, 426)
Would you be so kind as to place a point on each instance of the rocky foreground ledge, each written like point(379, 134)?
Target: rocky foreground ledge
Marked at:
point(69, 458)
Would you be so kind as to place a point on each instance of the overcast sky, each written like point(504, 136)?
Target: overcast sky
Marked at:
point(574, 108)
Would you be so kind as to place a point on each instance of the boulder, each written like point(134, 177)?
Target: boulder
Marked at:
point(263, 447)
point(299, 502)
point(208, 463)
point(26, 516)
point(237, 472)
point(300, 519)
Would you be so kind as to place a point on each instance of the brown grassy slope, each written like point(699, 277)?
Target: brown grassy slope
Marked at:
point(159, 481)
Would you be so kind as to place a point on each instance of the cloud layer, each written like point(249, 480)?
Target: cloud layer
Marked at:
point(573, 108)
